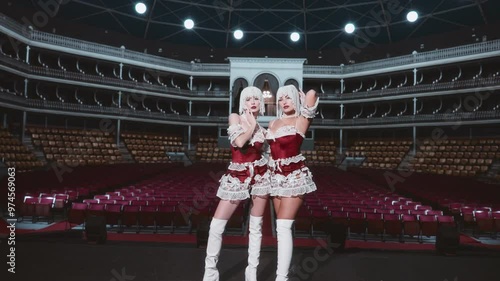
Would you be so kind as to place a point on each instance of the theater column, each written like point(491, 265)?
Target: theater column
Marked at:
point(189, 127)
point(118, 123)
point(23, 126)
point(341, 131)
point(27, 54)
point(414, 127)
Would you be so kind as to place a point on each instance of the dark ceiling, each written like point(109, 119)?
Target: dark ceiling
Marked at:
point(267, 24)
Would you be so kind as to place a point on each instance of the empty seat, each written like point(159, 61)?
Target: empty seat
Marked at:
point(484, 221)
point(95, 210)
point(411, 226)
point(356, 223)
point(77, 213)
point(374, 224)
point(113, 214)
point(428, 225)
point(130, 216)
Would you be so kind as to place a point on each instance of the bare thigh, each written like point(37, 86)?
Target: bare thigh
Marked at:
point(225, 209)
point(259, 205)
point(288, 207)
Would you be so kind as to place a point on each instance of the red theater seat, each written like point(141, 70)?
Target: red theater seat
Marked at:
point(356, 223)
point(130, 216)
point(393, 225)
point(411, 225)
point(164, 216)
point(113, 214)
point(339, 217)
point(77, 213)
point(484, 221)
point(147, 216)
point(95, 210)
point(429, 225)
point(374, 224)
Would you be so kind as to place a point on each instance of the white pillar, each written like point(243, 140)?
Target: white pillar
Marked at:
point(26, 88)
point(28, 54)
point(118, 124)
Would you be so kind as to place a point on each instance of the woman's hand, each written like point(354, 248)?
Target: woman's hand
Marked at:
point(302, 97)
point(249, 121)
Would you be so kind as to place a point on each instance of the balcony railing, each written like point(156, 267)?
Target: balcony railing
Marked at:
point(424, 88)
point(75, 76)
point(455, 118)
point(114, 52)
point(412, 119)
point(454, 52)
point(105, 110)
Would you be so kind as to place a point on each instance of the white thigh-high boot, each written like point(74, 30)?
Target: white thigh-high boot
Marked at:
point(285, 248)
point(214, 245)
point(254, 242)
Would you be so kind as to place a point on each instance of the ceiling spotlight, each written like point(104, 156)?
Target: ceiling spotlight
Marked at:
point(349, 28)
point(412, 16)
point(189, 24)
point(238, 34)
point(140, 8)
point(295, 36)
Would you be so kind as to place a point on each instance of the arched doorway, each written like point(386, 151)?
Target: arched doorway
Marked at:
point(267, 82)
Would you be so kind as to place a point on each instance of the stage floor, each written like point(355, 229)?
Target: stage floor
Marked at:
point(67, 257)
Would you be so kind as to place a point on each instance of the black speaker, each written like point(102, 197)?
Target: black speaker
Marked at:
point(337, 235)
point(202, 231)
point(447, 240)
point(95, 229)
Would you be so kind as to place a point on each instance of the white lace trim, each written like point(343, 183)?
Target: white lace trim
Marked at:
point(243, 166)
point(296, 183)
point(259, 135)
point(276, 163)
point(262, 185)
point(234, 131)
point(287, 130)
point(232, 188)
point(233, 195)
point(309, 112)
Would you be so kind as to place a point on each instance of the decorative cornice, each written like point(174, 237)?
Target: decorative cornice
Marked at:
point(266, 60)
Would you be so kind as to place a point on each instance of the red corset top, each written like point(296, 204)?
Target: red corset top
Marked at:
point(286, 146)
point(248, 153)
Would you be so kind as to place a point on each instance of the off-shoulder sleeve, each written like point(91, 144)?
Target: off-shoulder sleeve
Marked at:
point(309, 112)
point(233, 132)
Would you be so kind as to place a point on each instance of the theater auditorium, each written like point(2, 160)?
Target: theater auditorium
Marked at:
point(114, 137)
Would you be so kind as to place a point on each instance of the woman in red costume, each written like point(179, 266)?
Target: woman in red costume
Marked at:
point(290, 178)
point(247, 176)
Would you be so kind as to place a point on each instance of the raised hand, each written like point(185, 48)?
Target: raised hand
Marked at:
point(248, 120)
point(302, 97)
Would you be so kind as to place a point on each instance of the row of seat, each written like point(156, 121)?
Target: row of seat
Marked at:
point(392, 224)
point(457, 141)
point(171, 216)
point(69, 138)
point(459, 148)
point(76, 147)
point(62, 131)
point(384, 143)
point(14, 154)
point(151, 137)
